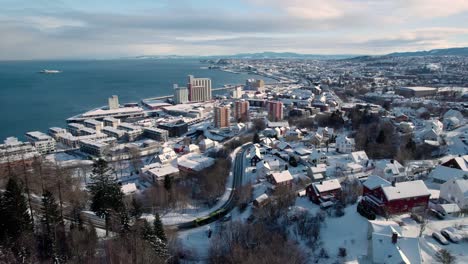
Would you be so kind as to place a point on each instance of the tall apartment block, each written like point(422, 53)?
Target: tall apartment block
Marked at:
point(199, 89)
point(241, 110)
point(181, 94)
point(275, 110)
point(113, 102)
point(222, 116)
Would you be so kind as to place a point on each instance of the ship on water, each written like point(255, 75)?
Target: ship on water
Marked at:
point(46, 71)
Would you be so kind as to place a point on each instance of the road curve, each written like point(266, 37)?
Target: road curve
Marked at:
point(238, 173)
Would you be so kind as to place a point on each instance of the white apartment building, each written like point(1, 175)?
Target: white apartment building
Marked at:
point(181, 94)
point(43, 142)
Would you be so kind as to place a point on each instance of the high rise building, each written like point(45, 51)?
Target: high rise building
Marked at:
point(180, 94)
point(222, 116)
point(237, 92)
point(275, 110)
point(114, 102)
point(199, 89)
point(241, 110)
point(256, 85)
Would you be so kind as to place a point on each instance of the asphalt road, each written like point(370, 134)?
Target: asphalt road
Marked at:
point(238, 172)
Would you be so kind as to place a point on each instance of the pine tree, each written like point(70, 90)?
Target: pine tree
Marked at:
point(136, 210)
point(159, 228)
point(107, 196)
point(15, 216)
point(50, 220)
point(167, 182)
point(381, 137)
point(150, 235)
point(50, 212)
point(256, 138)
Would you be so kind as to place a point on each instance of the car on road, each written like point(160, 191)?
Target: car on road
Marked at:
point(440, 238)
point(226, 218)
point(454, 238)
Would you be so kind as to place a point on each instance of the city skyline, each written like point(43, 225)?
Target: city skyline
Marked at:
point(112, 29)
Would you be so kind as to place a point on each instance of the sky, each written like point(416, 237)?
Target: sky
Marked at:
point(92, 29)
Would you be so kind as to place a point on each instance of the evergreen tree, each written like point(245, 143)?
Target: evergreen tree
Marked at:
point(136, 210)
point(106, 194)
point(15, 218)
point(256, 138)
point(151, 236)
point(50, 212)
point(167, 182)
point(158, 228)
point(50, 220)
point(380, 137)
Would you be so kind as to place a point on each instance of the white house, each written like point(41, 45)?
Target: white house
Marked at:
point(344, 144)
point(318, 157)
point(263, 169)
point(453, 119)
point(390, 170)
point(206, 144)
point(455, 191)
point(435, 125)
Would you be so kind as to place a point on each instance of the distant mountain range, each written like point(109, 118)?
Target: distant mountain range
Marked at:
point(261, 55)
point(292, 55)
point(434, 52)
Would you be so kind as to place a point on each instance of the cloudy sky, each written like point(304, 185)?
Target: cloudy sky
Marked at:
point(44, 29)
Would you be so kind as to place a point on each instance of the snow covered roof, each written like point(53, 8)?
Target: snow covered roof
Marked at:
point(405, 251)
point(449, 208)
point(358, 156)
point(328, 185)
point(129, 188)
point(283, 176)
point(385, 227)
point(443, 174)
point(403, 190)
point(375, 181)
point(261, 198)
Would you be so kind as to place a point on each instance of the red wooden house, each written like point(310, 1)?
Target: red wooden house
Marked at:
point(323, 191)
point(385, 198)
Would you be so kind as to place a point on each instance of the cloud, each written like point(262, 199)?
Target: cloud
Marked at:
point(311, 26)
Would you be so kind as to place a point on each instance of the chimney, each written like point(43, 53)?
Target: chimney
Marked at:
point(391, 161)
point(393, 183)
point(394, 237)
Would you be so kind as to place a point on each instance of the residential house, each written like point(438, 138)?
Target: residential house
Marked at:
point(318, 157)
point(455, 191)
point(283, 178)
point(322, 191)
point(396, 198)
point(443, 174)
point(391, 170)
point(344, 144)
point(255, 156)
point(453, 119)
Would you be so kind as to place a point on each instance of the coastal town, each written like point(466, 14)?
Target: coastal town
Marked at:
point(361, 160)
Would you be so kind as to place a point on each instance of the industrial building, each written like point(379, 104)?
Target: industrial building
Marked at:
point(418, 91)
point(199, 89)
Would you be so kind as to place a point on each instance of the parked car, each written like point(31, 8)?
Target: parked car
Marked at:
point(457, 232)
point(437, 214)
point(450, 236)
point(440, 238)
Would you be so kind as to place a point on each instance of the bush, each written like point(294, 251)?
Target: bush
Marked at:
point(342, 252)
point(339, 210)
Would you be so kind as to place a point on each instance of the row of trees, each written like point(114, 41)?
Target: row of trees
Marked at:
point(44, 230)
